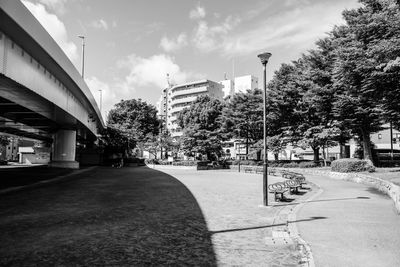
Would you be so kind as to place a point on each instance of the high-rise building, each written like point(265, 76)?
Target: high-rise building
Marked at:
point(178, 97)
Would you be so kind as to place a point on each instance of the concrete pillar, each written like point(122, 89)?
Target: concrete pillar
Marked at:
point(64, 148)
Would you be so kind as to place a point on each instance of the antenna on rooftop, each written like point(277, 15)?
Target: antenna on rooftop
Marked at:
point(168, 81)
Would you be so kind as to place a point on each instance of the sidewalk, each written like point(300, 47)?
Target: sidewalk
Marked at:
point(361, 226)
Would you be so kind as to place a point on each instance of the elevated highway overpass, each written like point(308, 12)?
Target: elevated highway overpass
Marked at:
point(42, 95)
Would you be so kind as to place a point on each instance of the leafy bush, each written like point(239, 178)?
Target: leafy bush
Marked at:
point(134, 160)
point(352, 165)
point(152, 161)
point(308, 164)
point(247, 162)
point(202, 163)
point(290, 165)
point(275, 164)
point(185, 163)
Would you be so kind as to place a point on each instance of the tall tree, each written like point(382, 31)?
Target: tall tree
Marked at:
point(201, 127)
point(366, 71)
point(242, 117)
point(136, 120)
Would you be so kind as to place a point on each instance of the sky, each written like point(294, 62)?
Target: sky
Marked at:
point(131, 45)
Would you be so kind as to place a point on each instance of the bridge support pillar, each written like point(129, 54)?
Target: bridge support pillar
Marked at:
point(64, 149)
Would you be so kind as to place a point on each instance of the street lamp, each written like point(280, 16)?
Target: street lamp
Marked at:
point(83, 54)
point(264, 57)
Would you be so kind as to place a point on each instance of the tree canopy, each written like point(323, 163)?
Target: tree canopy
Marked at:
point(202, 127)
point(134, 122)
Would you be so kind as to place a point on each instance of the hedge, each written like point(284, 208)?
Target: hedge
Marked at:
point(352, 165)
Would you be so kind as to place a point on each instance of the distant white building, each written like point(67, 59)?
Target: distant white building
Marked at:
point(244, 83)
point(228, 87)
point(239, 84)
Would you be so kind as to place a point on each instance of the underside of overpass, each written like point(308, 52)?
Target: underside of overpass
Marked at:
point(42, 95)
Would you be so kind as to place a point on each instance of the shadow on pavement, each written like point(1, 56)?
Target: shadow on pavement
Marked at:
point(26, 175)
point(266, 226)
point(375, 191)
point(128, 216)
point(320, 200)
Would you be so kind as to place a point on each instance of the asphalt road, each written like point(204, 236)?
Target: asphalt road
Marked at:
point(361, 227)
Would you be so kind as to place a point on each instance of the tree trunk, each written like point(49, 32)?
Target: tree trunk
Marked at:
point(341, 153)
point(258, 155)
point(276, 156)
point(316, 154)
point(208, 155)
point(247, 147)
point(366, 144)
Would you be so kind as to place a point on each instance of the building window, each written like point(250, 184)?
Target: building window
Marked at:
point(379, 136)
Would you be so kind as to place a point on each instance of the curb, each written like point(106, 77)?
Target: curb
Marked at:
point(305, 248)
point(44, 182)
point(307, 259)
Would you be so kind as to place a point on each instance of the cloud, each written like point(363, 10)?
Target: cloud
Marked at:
point(148, 74)
point(152, 71)
point(271, 26)
point(197, 13)
point(207, 38)
point(55, 27)
point(298, 26)
point(171, 45)
point(99, 24)
point(58, 6)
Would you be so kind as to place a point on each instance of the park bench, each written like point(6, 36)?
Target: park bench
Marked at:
point(271, 171)
point(278, 189)
point(293, 186)
point(294, 176)
point(301, 180)
point(248, 169)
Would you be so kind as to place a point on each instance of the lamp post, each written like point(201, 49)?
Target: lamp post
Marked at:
point(264, 57)
point(83, 55)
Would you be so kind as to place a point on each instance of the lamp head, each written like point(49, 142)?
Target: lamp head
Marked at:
point(81, 36)
point(264, 57)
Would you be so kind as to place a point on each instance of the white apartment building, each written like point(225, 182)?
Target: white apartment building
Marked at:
point(228, 87)
point(239, 84)
point(178, 97)
point(244, 83)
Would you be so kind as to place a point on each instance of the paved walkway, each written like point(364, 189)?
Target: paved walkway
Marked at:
point(360, 227)
point(140, 216)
